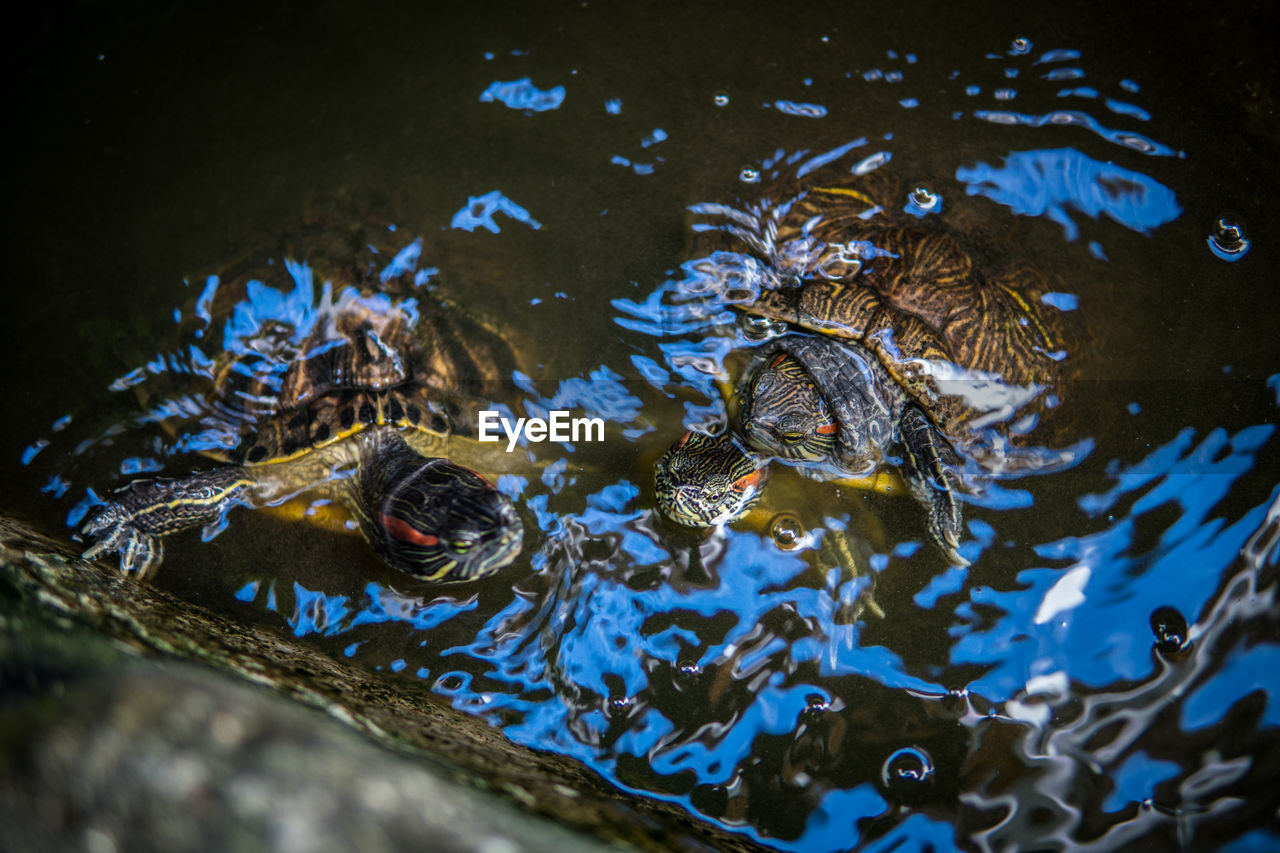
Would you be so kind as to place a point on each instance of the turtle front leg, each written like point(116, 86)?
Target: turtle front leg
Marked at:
point(930, 468)
point(138, 516)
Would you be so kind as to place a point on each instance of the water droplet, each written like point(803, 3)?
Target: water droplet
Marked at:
point(721, 99)
point(786, 530)
point(907, 773)
point(923, 200)
point(956, 702)
point(451, 682)
point(1020, 47)
point(1227, 239)
point(841, 265)
point(689, 669)
point(757, 328)
point(1170, 630)
point(815, 706)
point(749, 175)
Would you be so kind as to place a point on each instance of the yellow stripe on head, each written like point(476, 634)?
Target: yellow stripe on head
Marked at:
point(448, 567)
point(862, 197)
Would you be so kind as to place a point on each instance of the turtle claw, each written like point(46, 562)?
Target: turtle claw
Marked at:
point(951, 552)
point(112, 529)
point(944, 526)
point(930, 465)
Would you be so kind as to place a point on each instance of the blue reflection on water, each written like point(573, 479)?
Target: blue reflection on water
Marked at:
point(523, 95)
point(829, 156)
point(572, 662)
point(1061, 301)
point(1075, 118)
point(1086, 635)
point(1051, 182)
point(405, 261)
point(794, 108)
point(1136, 779)
point(1058, 55)
point(317, 612)
point(1251, 668)
point(479, 212)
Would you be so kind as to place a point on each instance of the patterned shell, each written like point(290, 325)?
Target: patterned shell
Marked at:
point(907, 290)
point(372, 349)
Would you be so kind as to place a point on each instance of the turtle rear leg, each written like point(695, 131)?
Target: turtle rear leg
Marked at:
point(137, 518)
point(930, 468)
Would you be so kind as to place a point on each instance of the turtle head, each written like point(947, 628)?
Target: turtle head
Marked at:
point(439, 521)
point(704, 480)
point(783, 413)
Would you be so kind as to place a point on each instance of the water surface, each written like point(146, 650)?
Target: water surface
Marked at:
point(548, 158)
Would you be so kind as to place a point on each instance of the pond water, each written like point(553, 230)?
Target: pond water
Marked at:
point(1101, 675)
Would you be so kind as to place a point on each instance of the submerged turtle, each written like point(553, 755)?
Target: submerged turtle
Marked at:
point(890, 347)
point(352, 399)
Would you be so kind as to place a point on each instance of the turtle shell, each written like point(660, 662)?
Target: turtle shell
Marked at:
point(852, 265)
point(344, 338)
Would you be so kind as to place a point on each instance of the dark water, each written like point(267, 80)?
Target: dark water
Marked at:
point(1022, 701)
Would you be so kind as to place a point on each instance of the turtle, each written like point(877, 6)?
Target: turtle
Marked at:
point(705, 480)
point(354, 399)
point(888, 343)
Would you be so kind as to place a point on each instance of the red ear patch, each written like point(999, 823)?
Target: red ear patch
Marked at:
point(827, 429)
point(746, 481)
point(778, 359)
point(682, 441)
point(406, 532)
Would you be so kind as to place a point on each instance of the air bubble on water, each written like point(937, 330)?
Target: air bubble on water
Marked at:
point(906, 772)
point(1169, 627)
point(956, 701)
point(757, 328)
point(840, 266)
point(922, 201)
point(720, 99)
point(925, 197)
point(1020, 47)
point(816, 705)
point(786, 530)
point(749, 175)
point(1227, 240)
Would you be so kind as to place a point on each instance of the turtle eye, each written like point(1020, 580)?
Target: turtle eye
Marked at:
point(462, 546)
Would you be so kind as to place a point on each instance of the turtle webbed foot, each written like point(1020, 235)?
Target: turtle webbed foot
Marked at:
point(930, 464)
point(944, 525)
point(139, 515)
point(112, 529)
